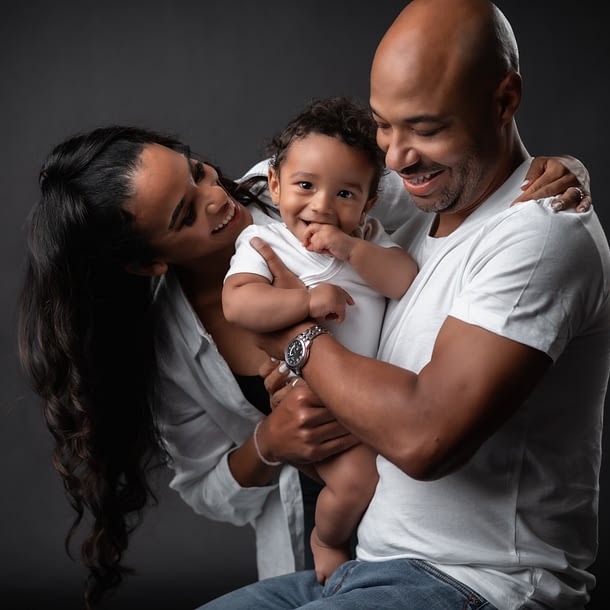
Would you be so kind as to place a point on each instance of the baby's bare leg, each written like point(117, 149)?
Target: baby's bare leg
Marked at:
point(350, 480)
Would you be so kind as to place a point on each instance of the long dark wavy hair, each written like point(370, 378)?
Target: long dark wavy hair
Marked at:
point(86, 338)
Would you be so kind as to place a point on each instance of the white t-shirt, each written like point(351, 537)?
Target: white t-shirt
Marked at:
point(517, 523)
point(361, 327)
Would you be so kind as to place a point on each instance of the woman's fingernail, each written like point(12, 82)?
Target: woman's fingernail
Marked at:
point(524, 183)
point(557, 205)
point(282, 368)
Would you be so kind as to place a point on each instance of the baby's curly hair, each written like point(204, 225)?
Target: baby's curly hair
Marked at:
point(336, 117)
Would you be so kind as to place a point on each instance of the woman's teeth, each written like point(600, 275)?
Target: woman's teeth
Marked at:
point(227, 219)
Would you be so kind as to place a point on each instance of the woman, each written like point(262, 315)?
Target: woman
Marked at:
point(122, 335)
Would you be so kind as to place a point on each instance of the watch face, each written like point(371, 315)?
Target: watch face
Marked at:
point(294, 352)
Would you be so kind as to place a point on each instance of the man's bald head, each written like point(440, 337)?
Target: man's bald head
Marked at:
point(444, 91)
point(469, 40)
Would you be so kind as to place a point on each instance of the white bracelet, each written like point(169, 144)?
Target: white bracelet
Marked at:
point(261, 457)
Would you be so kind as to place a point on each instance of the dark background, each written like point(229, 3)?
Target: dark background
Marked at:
point(224, 76)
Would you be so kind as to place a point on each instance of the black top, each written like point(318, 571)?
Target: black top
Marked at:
point(254, 390)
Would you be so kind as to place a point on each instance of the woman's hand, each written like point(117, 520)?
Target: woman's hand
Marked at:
point(564, 176)
point(299, 430)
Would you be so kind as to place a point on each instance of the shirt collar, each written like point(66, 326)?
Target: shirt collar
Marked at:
point(194, 333)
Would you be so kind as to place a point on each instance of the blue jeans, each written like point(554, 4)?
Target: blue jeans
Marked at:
point(401, 584)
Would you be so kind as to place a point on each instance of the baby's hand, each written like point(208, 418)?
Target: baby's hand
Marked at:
point(328, 302)
point(328, 239)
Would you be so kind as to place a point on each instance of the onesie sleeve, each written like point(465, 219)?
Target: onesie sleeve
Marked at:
point(246, 259)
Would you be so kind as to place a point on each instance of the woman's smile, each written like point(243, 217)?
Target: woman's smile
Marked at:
point(229, 216)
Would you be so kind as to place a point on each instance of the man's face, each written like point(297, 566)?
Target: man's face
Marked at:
point(434, 133)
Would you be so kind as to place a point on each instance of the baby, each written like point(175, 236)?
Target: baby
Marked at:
point(324, 175)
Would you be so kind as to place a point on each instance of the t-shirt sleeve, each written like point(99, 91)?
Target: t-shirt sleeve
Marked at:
point(533, 278)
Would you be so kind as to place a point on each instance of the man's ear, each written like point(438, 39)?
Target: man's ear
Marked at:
point(509, 97)
point(152, 269)
point(273, 179)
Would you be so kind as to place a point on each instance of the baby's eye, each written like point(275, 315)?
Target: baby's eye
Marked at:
point(345, 194)
point(305, 185)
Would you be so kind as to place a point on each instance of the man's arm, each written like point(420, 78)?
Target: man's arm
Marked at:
point(426, 423)
point(429, 423)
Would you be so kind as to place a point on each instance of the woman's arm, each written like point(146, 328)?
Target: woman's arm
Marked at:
point(225, 480)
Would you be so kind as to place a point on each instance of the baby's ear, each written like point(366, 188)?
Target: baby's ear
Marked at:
point(370, 203)
point(273, 180)
point(152, 269)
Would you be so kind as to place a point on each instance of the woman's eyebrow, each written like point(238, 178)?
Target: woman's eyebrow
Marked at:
point(176, 213)
point(181, 203)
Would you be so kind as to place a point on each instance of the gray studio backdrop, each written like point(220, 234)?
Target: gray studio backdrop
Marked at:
point(224, 76)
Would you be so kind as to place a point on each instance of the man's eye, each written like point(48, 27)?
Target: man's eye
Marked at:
point(345, 194)
point(198, 171)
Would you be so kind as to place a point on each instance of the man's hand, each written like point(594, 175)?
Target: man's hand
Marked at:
point(282, 276)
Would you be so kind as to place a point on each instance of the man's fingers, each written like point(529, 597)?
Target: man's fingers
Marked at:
point(282, 276)
point(271, 258)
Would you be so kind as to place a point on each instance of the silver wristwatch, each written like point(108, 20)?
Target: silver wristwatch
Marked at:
point(297, 351)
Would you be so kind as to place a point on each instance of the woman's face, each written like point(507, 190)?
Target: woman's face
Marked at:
point(182, 210)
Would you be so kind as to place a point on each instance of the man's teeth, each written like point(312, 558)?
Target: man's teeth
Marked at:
point(226, 220)
point(420, 179)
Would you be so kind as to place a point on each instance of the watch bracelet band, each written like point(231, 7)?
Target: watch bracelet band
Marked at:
point(312, 332)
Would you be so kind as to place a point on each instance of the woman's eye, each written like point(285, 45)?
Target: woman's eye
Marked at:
point(345, 194)
point(198, 171)
point(189, 217)
point(427, 133)
point(305, 185)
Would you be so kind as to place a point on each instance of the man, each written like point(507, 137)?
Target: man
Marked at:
point(489, 445)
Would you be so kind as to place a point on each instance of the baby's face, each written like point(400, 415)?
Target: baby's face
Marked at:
point(322, 180)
